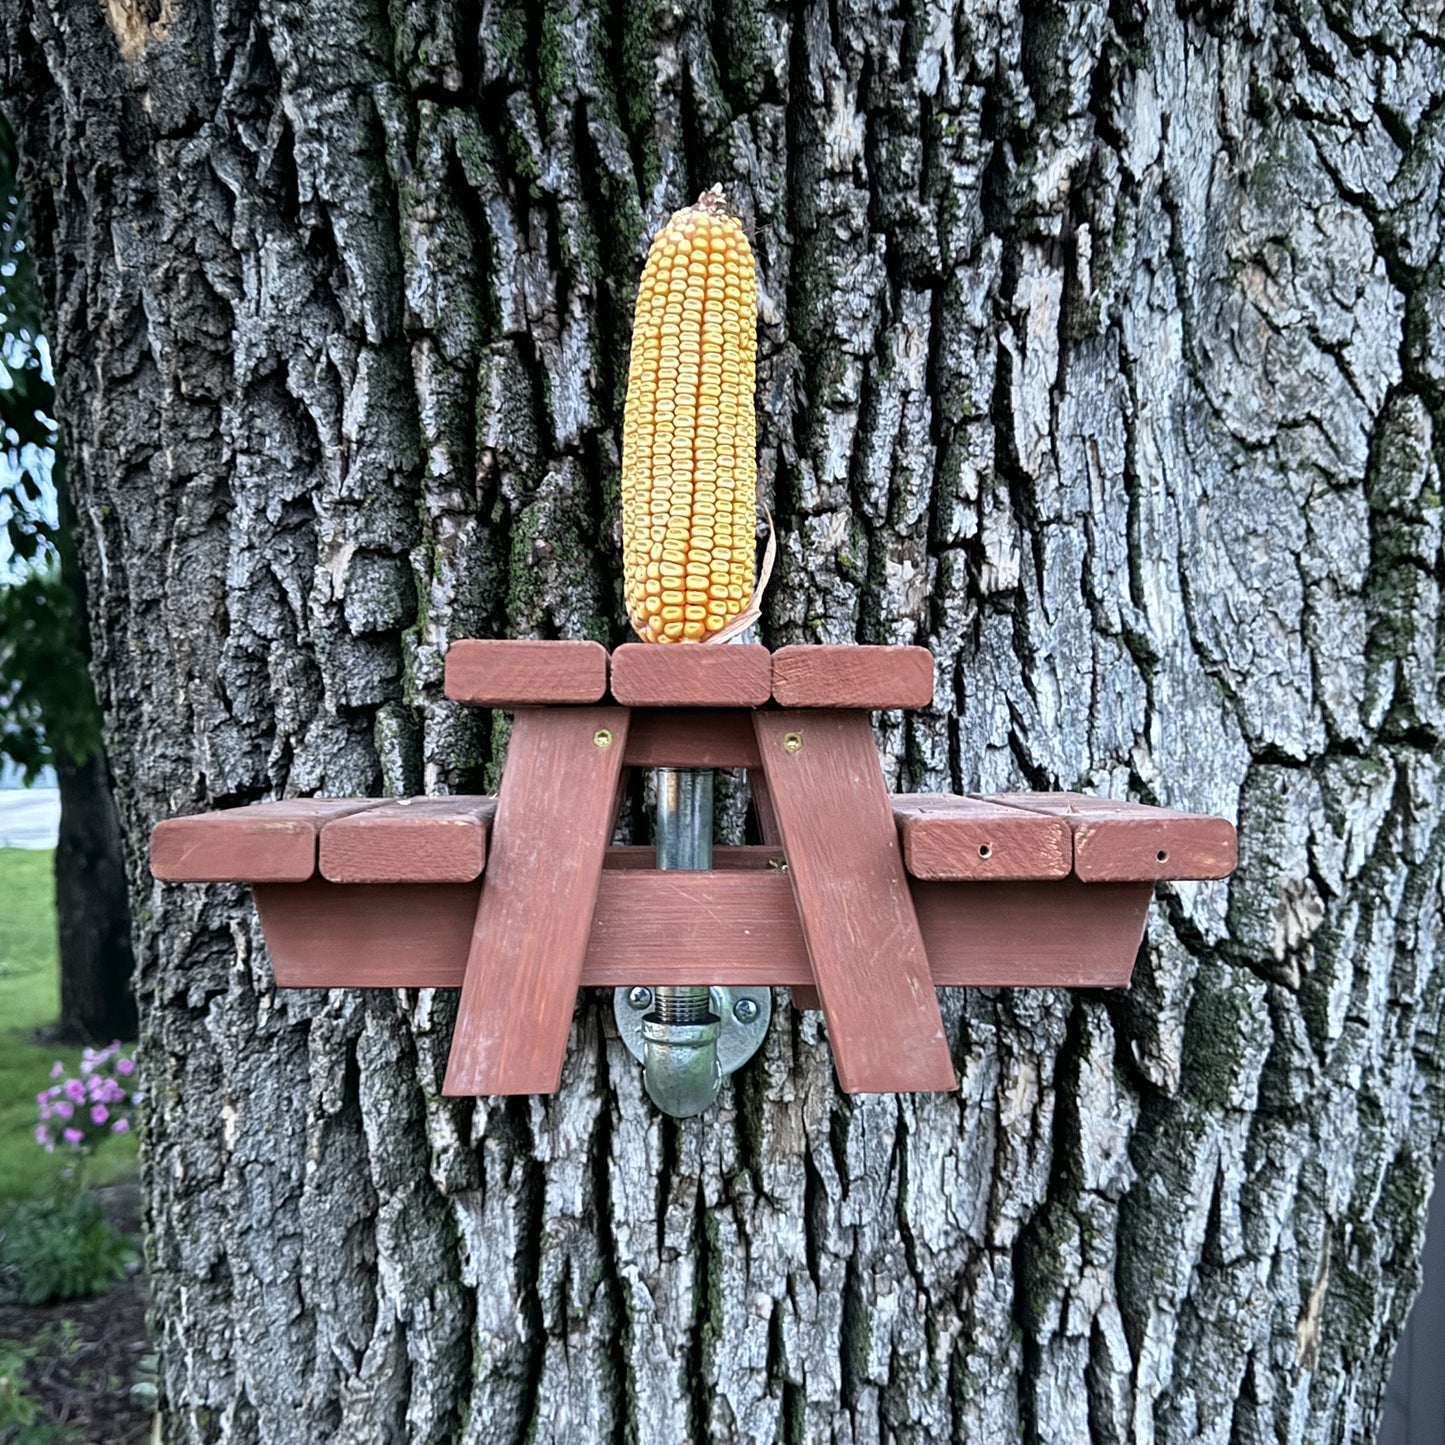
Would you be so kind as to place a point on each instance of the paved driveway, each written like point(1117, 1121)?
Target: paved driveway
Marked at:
point(29, 817)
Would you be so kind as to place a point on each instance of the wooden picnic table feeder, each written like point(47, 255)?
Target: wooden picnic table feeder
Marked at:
point(862, 903)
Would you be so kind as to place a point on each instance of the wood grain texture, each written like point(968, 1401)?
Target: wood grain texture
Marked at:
point(764, 814)
point(555, 813)
point(695, 926)
point(709, 927)
point(652, 675)
point(410, 840)
point(949, 837)
point(726, 858)
point(1057, 934)
point(368, 935)
point(262, 842)
point(504, 672)
point(867, 954)
point(684, 738)
point(820, 675)
point(1120, 841)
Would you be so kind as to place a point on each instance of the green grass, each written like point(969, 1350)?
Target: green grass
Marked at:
point(29, 999)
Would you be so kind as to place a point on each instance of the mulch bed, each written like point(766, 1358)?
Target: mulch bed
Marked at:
point(87, 1351)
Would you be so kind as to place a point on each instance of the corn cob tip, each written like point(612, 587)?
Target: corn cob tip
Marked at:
point(713, 203)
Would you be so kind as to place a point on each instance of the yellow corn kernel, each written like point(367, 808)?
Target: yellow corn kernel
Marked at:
point(689, 450)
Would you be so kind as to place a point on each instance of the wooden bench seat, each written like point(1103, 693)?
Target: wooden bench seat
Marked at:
point(348, 840)
point(1003, 837)
point(1017, 836)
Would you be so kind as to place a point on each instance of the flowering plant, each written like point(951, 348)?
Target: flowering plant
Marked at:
point(76, 1111)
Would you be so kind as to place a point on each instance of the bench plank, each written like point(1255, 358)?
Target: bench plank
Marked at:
point(410, 840)
point(948, 837)
point(259, 843)
point(1120, 841)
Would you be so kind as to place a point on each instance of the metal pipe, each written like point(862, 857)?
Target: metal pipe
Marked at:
point(680, 1063)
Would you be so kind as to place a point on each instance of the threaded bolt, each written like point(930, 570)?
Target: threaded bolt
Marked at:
point(682, 1003)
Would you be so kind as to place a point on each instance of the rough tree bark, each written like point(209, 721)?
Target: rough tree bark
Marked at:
point(1101, 350)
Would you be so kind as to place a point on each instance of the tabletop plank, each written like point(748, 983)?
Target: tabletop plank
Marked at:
point(650, 674)
point(827, 675)
point(508, 672)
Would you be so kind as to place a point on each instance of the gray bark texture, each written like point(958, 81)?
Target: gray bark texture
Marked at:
point(1101, 351)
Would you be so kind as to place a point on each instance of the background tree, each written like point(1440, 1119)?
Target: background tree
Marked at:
point(1100, 351)
point(48, 712)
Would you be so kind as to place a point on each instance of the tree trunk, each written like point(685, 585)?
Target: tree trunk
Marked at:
point(1101, 351)
point(91, 907)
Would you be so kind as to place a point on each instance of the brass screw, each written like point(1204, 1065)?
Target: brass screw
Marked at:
point(792, 742)
point(602, 738)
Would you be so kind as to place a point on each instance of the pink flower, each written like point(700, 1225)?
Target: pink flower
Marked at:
point(42, 1136)
point(73, 1136)
point(99, 1114)
point(63, 1109)
point(125, 1066)
point(75, 1090)
point(121, 1126)
point(56, 1069)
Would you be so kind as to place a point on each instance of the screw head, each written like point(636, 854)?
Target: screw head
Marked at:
point(792, 742)
point(745, 1010)
point(639, 998)
point(602, 738)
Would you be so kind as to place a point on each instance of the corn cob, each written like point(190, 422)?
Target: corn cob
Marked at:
point(689, 448)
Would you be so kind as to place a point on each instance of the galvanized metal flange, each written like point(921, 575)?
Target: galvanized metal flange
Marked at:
point(743, 1012)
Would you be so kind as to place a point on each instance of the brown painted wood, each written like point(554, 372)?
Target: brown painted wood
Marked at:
point(648, 674)
point(410, 840)
point(1057, 934)
point(504, 672)
point(805, 996)
point(668, 738)
point(368, 935)
point(1120, 841)
point(725, 857)
point(647, 929)
point(555, 815)
point(852, 677)
point(948, 837)
point(689, 922)
point(763, 810)
point(263, 842)
point(857, 915)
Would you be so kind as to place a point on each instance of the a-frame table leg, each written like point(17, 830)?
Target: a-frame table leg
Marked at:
point(831, 803)
point(805, 995)
point(555, 813)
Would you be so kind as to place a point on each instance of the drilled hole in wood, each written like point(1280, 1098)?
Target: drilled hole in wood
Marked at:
point(984, 850)
point(1162, 855)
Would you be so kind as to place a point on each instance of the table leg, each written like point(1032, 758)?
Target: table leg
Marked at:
point(555, 814)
